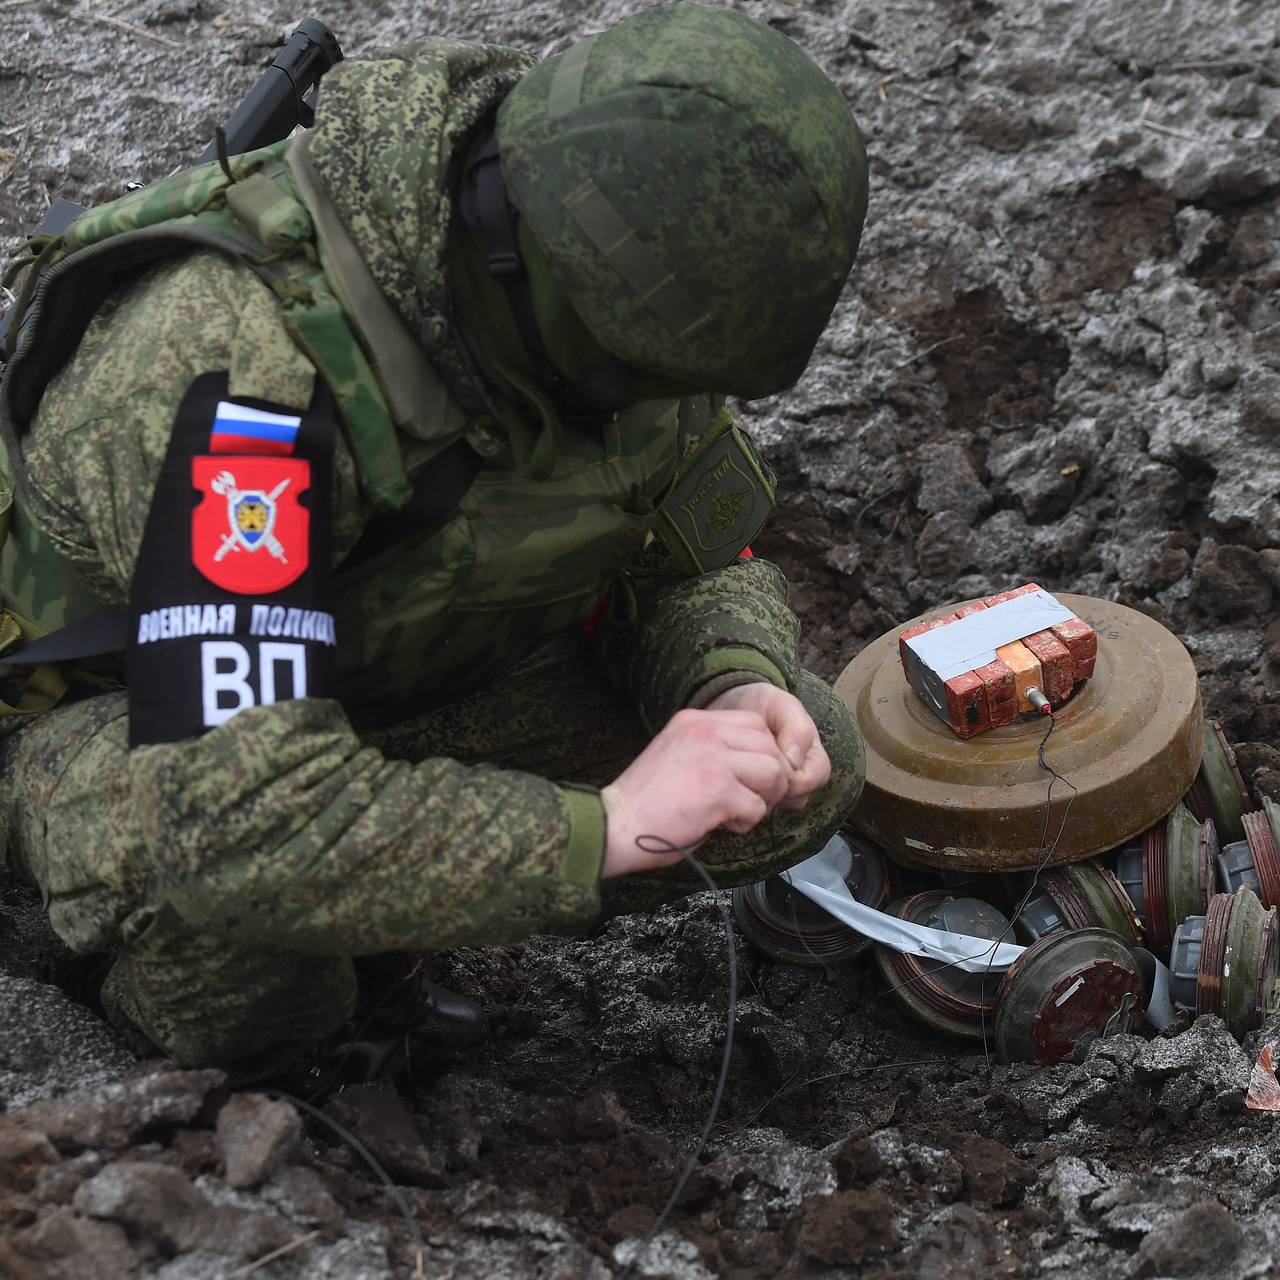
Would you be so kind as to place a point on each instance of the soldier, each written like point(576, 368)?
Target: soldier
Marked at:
point(401, 452)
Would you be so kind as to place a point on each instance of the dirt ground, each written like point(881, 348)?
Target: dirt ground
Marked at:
point(1058, 359)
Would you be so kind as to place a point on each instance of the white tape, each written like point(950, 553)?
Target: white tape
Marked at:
point(1160, 1010)
point(972, 641)
point(821, 881)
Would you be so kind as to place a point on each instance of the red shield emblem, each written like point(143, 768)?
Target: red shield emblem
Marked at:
point(249, 534)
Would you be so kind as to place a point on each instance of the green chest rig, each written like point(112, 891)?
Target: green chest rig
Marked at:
point(247, 209)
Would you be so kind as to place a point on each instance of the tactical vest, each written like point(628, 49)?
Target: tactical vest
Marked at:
point(519, 560)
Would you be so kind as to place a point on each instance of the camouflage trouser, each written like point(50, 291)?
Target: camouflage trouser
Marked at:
point(71, 827)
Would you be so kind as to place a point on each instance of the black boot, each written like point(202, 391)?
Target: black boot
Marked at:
point(412, 1002)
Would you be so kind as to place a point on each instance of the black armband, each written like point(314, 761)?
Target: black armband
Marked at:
point(229, 603)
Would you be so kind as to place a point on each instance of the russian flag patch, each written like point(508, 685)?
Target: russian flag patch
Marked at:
point(239, 429)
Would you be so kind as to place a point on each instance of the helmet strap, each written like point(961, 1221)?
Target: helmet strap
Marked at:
point(485, 208)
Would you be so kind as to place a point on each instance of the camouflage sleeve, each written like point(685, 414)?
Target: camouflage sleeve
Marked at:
point(280, 823)
point(104, 421)
point(671, 641)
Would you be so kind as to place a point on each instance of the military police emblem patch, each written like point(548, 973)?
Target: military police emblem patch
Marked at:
point(250, 534)
point(717, 503)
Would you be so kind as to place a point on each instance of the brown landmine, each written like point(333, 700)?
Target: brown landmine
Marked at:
point(1059, 361)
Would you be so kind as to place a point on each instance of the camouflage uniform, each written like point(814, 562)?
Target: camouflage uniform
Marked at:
point(238, 873)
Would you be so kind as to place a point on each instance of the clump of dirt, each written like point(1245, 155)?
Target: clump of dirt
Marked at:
point(1058, 360)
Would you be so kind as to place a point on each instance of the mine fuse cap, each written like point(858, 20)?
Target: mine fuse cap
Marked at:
point(1236, 868)
point(1184, 962)
point(1129, 874)
point(1040, 917)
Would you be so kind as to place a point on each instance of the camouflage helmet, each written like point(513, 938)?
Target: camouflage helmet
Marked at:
point(698, 186)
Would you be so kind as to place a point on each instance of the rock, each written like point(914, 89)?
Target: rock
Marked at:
point(847, 1228)
point(59, 1244)
point(255, 1136)
point(992, 1173)
point(1260, 403)
point(1202, 1067)
point(148, 1199)
point(1229, 581)
point(1202, 235)
point(948, 482)
point(161, 1203)
point(51, 1045)
point(1202, 1240)
point(947, 546)
point(300, 1194)
point(22, 1153)
point(387, 1128)
point(57, 1183)
point(857, 1162)
point(114, 1115)
point(956, 1242)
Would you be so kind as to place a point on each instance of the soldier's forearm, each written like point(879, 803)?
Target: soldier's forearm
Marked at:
point(279, 828)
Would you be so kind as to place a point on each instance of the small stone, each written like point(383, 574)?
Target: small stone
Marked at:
point(387, 1128)
point(22, 1153)
point(149, 1199)
point(947, 546)
point(992, 1173)
point(948, 482)
point(1201, 1240)
point(847, 1228)
point(115, 1114)
point(300, 1194)
point(61, 1242)
point(255, 1137)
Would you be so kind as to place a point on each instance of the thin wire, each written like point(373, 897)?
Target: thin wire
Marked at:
point(1043, 857)
point(656, 844)
point(368, 1157)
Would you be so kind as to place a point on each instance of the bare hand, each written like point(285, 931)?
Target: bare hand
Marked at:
point(794, 732)
point(706, 769)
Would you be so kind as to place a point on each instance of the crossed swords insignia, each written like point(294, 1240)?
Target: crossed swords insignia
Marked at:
point(224, 485)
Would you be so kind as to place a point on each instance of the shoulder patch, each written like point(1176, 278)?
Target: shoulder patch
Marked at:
point(719, 501)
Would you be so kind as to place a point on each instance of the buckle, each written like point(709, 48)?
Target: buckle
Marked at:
point(505, 264)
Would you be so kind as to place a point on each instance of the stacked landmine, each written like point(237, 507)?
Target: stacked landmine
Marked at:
point(1084, 973)
point(1016, 653)
point(787, 925)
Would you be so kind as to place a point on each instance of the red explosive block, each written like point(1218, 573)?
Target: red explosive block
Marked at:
point(1056, 667)
point(1053, 660)
point(1002, 691)
point(1082, 642)
point(967, 704)
point(1011, 595)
